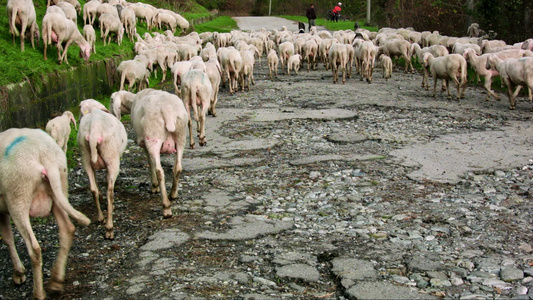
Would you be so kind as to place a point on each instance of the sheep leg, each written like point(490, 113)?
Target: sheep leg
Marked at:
point(65, 51)
point(22, 222)
point(434, 86)
point(93, 186)
point(488, 85)
point(19, 272)
point(112, 173)
point(515, 94)
point(176, 171)
point(153, 176)
point(24, 25)
point(66, 235)
point(155, 162)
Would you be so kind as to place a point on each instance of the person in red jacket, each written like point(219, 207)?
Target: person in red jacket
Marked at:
point(336, 12)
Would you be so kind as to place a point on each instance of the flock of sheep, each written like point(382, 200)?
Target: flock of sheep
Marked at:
point(199, 64)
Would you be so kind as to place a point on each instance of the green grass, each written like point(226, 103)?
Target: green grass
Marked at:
point(341, 25)
point(220, 24)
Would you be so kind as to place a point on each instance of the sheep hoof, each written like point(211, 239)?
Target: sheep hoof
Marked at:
point(19, 278)
point(192, 146)
point(56, 286)
point(167, 213)
point(110, 234)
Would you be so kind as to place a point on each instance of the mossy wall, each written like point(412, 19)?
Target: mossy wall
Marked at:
point(33, 102)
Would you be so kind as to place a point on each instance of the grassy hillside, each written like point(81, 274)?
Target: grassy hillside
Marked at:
point(16, 66)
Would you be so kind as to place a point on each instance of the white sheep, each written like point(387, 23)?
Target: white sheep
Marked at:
point(135, 70)
point(163, 18)
point(285, 50)
point(273, 62)
point(293, 63)
point(231, 63)
point(386, 64)
point(22, 13)
point(59, 129)
point(398, 48)
point(90, 10)
point(159, 120)
point(69, 10)
point(196, 92)
point(121, 103)
point(436, 51)
point(310, 53)
point(33, 182)
point(101, 140)
point(65, 32)
point(144, 11)
point(111, 24)
point(90, 36)
point(127, 17)
point(479, 64)
point(179, 69)
point(447, 67)
point(338, 58)
point(515, 73)
point(214, 72)
point(246, 74)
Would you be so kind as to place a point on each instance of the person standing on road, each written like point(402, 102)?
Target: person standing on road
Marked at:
point(337, 12)
point(311, 16)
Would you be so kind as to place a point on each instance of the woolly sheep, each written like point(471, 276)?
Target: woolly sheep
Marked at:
point(65, 31)
point(273, 62)
point(386, 64)
point(293, 63)
point(90, 36)
point(196, 91)
point(515, 73)
point(447, 67)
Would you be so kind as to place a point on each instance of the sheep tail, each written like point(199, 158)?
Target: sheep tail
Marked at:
point(94, 138)
point(170, 120)
point(59, 198)
point(463, 72)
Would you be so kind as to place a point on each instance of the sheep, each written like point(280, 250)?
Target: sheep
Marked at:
point(386, 64)
point(167, 19)
point(213, 71)
point(101, 140)
point(246, 74)
point(144, 11)
point(127, 17)
point(478, 63)
point(196, 91)
point(179, 69)
point(59, 129)
point(338, 57)
point(121, 103)
point(22, 12)
point(134, 71)
point(366, 56)
point(106, 8)
point(447, 67)
point(293, 63)
point(33, 182)
point(310, 53)
point(61, 30)
point(461, 48)
point(285, 50)
point(90, 10)
point(515, 73)
point(89, 105)
point(69, 10)
point(90, 36)
point(159, 120)
point(110, 23)
point(436, 51)
point(397, 48)
point(231, 62)
point(273, 62)
point(487, 45)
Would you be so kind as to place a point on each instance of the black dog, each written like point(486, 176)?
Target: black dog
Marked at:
point(301, 27)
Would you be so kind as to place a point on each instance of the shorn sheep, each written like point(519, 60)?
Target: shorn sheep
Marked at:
point(196, 92)
point(33, 182)
point(159, 120)
point(59, 129)
point(102, 139)
point(451, 66)
point(57, 28)
point(22, 13)
point(515, 73)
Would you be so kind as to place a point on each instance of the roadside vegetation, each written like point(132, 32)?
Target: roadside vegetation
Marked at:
point(333, 26)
